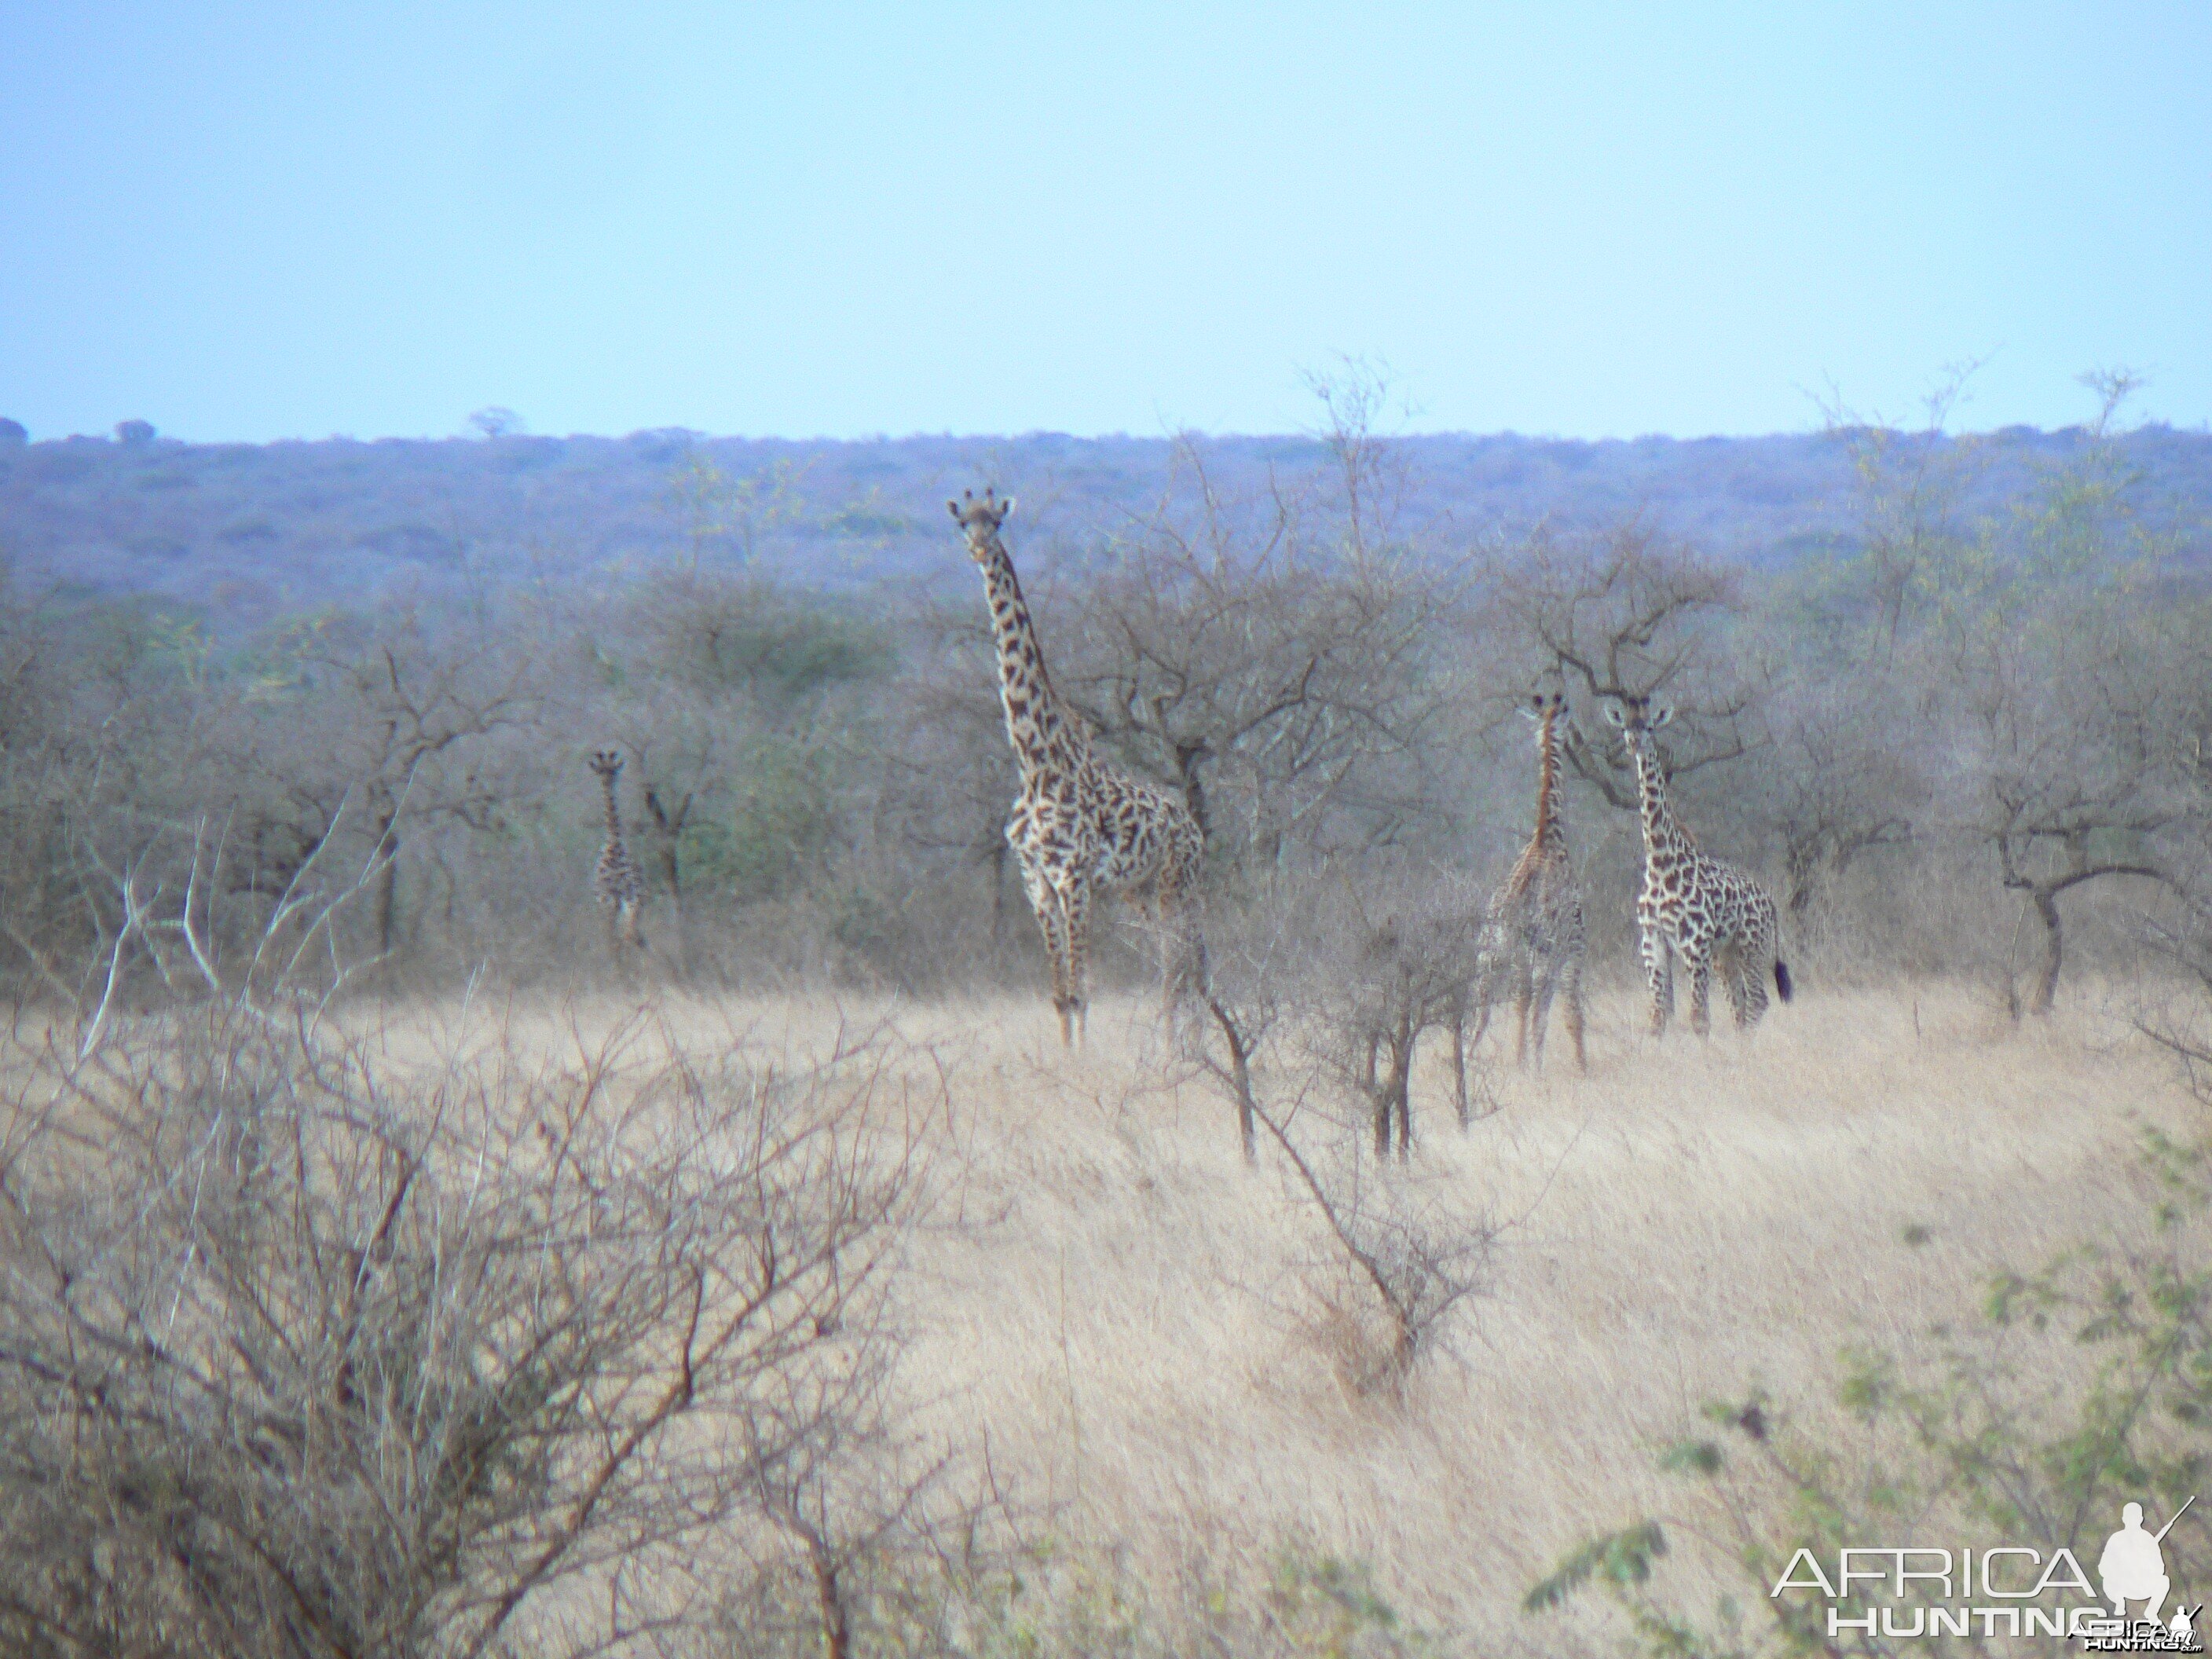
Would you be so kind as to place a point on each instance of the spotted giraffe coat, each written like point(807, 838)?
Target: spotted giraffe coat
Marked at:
point(1535, 938)
point(1079, 829)
point(1692, 907)
point(616, 879)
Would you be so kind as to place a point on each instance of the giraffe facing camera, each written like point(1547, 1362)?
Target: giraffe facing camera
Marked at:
point(616, 879)
point(1078, 828)
point(1693, 907)
point(1628, 714)
point(986, 513)
point(1536, 937)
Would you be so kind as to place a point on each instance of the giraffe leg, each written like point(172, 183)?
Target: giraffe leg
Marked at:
point(1701, 984)
point(1045, 903)
point(1727, 960)
point(1459, 1058)
point(1165, 922)
point(1747, 990)
point(1754, 997)
point(1075, 900)
point(1540, 1010)
point(1659, 972)
point(1483, 990)
point(1524, 988)
point(1573, 985)
point(1055, 945)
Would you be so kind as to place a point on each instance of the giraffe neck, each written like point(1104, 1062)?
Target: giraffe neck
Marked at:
point(1664, 838)
point(1551, 830)
point(1549, 843)
point(614, 811)
point(1045, 735)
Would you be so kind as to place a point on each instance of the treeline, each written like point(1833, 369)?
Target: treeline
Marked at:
point(1969, 742)
point(250, 532)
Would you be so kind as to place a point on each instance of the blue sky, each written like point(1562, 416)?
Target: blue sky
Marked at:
point(254, 222)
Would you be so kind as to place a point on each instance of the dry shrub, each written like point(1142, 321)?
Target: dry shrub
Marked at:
point(307, 1349)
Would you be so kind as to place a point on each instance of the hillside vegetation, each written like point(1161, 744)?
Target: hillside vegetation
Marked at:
point(253, 531)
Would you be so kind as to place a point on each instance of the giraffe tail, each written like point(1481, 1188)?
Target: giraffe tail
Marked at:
point(1782, 983)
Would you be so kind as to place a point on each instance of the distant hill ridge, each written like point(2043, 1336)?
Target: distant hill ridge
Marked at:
point(262, 529)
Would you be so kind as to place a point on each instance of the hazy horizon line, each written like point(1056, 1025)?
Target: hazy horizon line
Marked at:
point(112, 437)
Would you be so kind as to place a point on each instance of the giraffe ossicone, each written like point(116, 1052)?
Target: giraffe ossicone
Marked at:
point(1078, 829)
point(1692, 907)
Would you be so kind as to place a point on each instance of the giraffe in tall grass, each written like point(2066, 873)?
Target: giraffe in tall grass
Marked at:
point(1078, 828)
point(1536, 937)
point(1694, 907)
point(616, 880)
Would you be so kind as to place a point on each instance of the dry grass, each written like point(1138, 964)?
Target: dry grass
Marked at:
point(1150, 1334)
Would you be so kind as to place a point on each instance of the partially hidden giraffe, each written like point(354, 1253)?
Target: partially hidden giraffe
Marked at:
point(1692, 905)
point(614, 878)
point(1535, 938)
point(1077, 828)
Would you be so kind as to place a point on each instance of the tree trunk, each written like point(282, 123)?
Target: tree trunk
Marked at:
point(1391, 1095)
point(1194, 788)
point(1240, 1078)
point(387, 884)
point(2054, 951)
point(836, 1627)
point(672, 833)
point(1803, 864)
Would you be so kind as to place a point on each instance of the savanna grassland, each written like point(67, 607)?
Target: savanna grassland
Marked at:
point(1160, 1364)
point(403, 1252)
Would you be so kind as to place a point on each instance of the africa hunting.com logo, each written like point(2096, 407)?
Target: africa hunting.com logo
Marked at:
point(2010, 1581)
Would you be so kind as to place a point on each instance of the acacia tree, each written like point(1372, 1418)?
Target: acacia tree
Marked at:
point(2078, 699)
point(402, 705)
point(1273, 650)
point(2075, 753)
point(1909, 491)
point(1629, 614)
point(1846, 775)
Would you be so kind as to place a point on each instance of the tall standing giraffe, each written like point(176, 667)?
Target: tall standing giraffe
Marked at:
point(1078, 828)
point(1535, 938)
point(614, 878)
point(1694, 907)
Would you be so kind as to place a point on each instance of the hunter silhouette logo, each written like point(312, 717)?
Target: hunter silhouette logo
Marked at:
point(2006, 1591)
point(2132, 1567)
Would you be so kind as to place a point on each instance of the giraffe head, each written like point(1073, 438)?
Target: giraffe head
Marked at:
point(979, 518)
point(1544, 712)
point(1637, 720)
point(607, 763)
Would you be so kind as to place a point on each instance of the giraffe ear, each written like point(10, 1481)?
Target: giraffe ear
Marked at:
point(1006, 509)
point(953, 507)
point(1660, 715)
point(1614, 716)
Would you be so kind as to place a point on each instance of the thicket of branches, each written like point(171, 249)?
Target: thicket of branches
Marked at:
point(310, 1345)
point(1951, 745)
